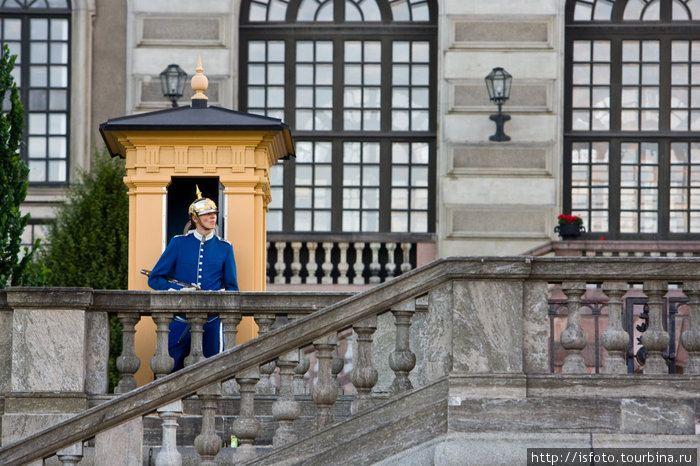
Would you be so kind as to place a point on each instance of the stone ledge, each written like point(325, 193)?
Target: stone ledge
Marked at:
point(614, 386)
point(49, 298)
point(45, 402)
point(475, 386)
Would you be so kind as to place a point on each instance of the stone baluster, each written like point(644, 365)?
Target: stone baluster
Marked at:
point(325, 392)
point(337, 365)
point(196, 321)
point(311, 265)
point(300, 385)
point(390, 266)
point(71, 455)
point(327, 265)
point(161, 362)
point(343, 265)
point(402, 360)
point(573, 338)
point(286, 409)
point(691, 337)
point(296, 263)
point(655, 339)
point(208, 443)
point(246, 427)
point(127, 362)
point(279, 264)
point(265, 386)
point(364, 376)
point(230, 323)
point(374, 266)
point(169, 454)
point(405, 257)
point(615, 339)
point(359, 265)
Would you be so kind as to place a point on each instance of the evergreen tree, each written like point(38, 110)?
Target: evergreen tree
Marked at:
point(13, 179)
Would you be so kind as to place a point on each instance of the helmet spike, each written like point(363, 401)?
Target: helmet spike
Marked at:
point(201, 205)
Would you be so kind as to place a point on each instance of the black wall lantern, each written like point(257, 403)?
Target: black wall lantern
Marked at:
point(498, 84)
point(172, 81)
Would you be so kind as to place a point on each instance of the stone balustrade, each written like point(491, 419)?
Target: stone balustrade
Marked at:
point(327, 259)
point(484, 324)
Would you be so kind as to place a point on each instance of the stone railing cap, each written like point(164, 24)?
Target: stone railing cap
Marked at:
point(49, 298)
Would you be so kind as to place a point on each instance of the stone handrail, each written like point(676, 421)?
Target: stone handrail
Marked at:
point(524, 279)
point(617, 248)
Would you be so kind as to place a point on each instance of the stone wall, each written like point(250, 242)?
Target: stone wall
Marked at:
point(499, 198)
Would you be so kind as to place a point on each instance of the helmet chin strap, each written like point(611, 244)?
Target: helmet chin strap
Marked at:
point(199, 223)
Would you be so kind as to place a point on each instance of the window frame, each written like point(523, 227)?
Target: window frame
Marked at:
point(616, 30)
point(290, 32)
point(26, 13)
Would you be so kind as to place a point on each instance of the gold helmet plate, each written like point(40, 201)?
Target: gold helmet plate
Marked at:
point(202, 205)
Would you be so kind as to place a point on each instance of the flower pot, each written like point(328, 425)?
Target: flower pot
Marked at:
point(569, 230)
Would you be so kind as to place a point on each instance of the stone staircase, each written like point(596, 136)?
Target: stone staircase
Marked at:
point(480, 392)
point(190, 423)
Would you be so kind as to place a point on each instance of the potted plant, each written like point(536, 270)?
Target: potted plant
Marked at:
point(570, 226)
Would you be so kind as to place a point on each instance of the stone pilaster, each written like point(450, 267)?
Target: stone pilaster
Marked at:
point(50, 349)
point(5, 343)
point(487, 326)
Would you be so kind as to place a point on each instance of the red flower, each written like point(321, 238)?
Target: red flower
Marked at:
point(565, 219)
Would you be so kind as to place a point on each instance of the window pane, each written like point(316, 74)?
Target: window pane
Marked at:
point(37, 171)
point(57, 171)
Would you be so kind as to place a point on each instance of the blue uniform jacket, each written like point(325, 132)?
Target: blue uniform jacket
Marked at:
point(191, 258)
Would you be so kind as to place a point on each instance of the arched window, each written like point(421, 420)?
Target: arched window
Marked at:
point(38, 32)
point(355, 80)
point(632, 126)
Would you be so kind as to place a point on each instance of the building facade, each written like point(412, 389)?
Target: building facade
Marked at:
point(390, 115)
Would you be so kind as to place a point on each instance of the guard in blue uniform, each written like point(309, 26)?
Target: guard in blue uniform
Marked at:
point(204, 261)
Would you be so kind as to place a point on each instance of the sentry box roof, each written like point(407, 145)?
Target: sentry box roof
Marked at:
point(198, 117)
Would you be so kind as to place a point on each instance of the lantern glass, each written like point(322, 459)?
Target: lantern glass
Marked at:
point(172, 82)
point(498, 84)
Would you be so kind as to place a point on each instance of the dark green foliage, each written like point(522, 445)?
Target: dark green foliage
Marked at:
point(115, 349)
point(13, 180)
point(88, 241)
